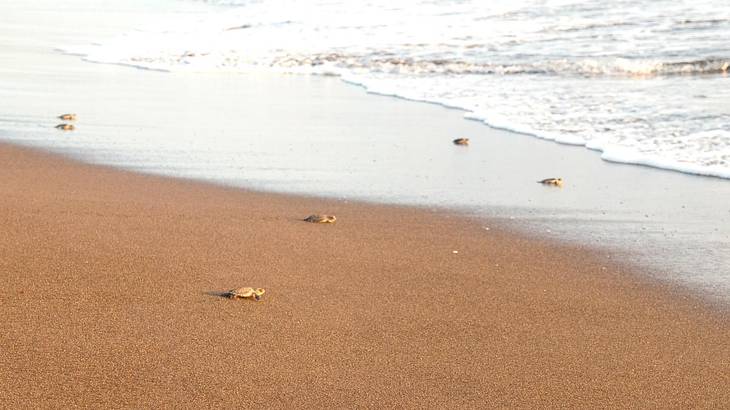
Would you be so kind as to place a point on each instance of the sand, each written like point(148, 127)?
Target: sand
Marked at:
point(109, 298)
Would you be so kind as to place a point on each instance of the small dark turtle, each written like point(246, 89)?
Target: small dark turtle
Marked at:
point(67, 117)
point(461, 141)
point(245, 293)
point(321, 219)
point(552, 181)
point(66, 127)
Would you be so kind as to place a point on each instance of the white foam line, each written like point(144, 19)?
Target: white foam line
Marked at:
point(609, 154)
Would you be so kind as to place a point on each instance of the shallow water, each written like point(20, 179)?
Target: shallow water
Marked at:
point(645, 82)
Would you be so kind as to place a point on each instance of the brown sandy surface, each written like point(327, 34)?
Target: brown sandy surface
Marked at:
point(108, 299)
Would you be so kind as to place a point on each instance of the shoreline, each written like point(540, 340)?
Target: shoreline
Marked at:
point(348, 143)
point(609, 293)
point(109, 276)
point(603, 153)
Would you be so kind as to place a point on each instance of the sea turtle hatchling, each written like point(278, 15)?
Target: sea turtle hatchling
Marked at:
point(321, 219)
point(245, 293)
point(461, 141)
point(552, 181)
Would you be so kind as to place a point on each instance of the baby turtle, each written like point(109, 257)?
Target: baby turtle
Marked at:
point(552, 181)
point(67, 117)
point(245, 293)
point(321, 219)
point(461, 141)
point(66, 127)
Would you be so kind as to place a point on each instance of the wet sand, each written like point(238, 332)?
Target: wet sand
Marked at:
point(109, 299)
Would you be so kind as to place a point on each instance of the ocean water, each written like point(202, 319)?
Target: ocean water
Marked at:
point(644, 82)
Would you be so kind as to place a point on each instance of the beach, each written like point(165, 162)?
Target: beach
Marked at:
point(451, 278)
point(110, 299)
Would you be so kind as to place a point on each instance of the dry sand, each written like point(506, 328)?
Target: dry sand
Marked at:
point(109, 284)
